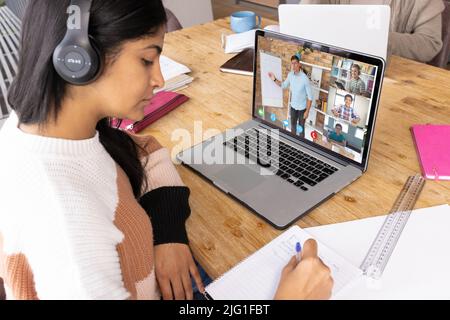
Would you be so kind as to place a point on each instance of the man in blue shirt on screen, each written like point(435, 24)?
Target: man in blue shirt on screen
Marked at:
point(301, 95)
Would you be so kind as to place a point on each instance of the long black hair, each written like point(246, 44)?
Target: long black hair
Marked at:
point(37, 92)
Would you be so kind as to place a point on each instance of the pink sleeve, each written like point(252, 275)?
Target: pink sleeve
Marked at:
point(159, 169)
point(161, 172)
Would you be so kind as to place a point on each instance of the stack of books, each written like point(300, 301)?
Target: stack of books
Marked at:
point(175, 75)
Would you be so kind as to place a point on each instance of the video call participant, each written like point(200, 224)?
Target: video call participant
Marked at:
point(346, 111)
point(356, 85)
point(301, 94)
point(337, 136)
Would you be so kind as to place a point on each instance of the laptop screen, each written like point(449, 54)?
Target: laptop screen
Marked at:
point(322, 95)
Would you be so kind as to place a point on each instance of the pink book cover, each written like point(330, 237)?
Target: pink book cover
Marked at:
point(433, 150)
point(161, 104)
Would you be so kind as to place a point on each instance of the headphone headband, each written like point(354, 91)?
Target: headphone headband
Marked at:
point(78, 21)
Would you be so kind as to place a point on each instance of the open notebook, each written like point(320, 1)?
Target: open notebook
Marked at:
point(257, 277)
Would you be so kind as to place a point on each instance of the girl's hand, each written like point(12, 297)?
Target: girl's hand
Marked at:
point(309, 279)
point(174, 266)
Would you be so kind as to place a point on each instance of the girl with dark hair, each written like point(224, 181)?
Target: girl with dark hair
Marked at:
point(83, 234)
point(87, 211)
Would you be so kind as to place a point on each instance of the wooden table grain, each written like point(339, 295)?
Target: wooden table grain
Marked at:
point(222, 232)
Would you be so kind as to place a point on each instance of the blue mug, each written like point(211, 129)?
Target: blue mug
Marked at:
point(242, 21)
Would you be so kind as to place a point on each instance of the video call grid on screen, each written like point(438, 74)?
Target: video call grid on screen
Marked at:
point(341, 91)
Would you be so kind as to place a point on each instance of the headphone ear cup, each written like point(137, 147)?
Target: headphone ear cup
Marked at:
point(98, 60)
point(78, 64)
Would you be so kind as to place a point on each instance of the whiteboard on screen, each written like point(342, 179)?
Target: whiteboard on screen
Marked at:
point(272, 94)
point(361, 28)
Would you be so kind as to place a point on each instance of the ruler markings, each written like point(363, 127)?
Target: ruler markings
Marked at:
point(392, 228)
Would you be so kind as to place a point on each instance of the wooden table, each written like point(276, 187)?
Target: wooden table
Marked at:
point(223, 232)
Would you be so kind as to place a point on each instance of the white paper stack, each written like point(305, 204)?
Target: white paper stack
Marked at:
point(177, 83)
point(237, 42)
point(175, 75)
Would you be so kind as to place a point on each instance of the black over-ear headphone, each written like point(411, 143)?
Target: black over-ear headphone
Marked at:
point(77, 59)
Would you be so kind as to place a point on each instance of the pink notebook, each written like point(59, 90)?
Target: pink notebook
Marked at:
point(161, 104)
point(433, 149)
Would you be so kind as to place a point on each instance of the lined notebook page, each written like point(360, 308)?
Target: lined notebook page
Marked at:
point(257, 277)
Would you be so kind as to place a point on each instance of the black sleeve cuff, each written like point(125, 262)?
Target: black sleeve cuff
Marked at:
point(168, 209)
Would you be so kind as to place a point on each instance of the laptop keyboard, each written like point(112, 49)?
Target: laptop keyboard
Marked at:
point(296, 167)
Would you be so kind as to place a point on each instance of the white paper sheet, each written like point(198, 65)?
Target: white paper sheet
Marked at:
point(171, 69)
point(419, 266)
point(237, 42)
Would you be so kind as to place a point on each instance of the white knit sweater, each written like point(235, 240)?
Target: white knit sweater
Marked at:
point(70, 225)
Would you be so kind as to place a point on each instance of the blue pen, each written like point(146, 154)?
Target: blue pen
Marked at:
point(298, 249)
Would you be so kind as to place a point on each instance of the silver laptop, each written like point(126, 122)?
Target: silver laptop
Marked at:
point(277, 165)
point(363, 28)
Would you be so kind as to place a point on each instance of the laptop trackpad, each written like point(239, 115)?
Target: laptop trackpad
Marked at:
point(240, 178)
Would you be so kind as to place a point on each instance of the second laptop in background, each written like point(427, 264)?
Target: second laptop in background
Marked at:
point(291, 157)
